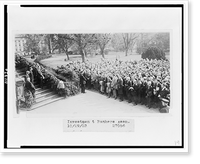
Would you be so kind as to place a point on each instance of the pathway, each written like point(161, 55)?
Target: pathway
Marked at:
point(90, 104)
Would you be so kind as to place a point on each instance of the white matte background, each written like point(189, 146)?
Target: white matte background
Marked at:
point(162, 130)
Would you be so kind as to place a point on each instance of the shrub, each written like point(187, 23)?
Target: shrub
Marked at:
point(67, 73)
point(71, 87)
point(64, 75)
point(154, 53)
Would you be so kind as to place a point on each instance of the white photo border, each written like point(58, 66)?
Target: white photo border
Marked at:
point(91, 147)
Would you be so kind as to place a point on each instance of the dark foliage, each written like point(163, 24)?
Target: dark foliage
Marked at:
point(71, 87)
point(67, 73)
point(153, 53)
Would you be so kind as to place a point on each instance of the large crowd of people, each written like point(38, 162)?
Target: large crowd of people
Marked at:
point(145, 82)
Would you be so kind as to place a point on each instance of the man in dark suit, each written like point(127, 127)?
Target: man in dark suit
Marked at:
point(82, 82)
point(127, 85)
point(31, 75)
point(29, 87)
point(120, 88)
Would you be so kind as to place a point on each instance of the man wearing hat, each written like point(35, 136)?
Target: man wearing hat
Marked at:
point(149, 94)
point(143, 91)
point(120, 87)
point(108, 87)
point(89, 79)
point(127, 85)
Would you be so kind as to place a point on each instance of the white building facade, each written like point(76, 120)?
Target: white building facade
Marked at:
point(19, 44)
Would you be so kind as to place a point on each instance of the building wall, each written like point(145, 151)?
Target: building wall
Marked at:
point(21, 41)
point(19, 44)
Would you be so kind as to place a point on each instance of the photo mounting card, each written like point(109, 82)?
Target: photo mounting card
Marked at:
point(106, 77)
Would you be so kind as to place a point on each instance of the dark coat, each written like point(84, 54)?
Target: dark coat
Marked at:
point(31, 76)
point(29, 86)
point(82, 79)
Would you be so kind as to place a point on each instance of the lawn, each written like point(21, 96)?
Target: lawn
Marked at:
point(59, 59)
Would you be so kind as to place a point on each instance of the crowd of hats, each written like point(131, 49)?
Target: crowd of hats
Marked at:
point(150, 77)
point(51, 79)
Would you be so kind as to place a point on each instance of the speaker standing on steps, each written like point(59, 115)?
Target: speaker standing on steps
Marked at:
point(31, 75)
point(29, 88)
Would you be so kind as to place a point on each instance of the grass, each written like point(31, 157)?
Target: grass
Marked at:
point(59, 59)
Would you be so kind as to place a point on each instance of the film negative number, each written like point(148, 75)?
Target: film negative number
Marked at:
point(177, 143)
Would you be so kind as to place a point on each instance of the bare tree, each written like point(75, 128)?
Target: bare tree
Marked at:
point(129, 40)
point(64, 42)
point(82, 41)
point(102, 40)
point(146, 40)
point(49, 39)
point(117, 42)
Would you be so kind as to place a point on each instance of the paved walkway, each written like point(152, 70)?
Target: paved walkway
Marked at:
point(89, 104)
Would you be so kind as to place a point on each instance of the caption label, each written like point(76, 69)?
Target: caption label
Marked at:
point(98, 125)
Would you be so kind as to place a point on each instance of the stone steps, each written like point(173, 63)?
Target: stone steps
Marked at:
point(46, 102)
point(21, 70)
point(43, 97)
point(20, 73)
point(44, 94)
point(40, 91)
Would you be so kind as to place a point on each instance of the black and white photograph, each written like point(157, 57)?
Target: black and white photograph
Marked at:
point(95, 76)
point(131, 68)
